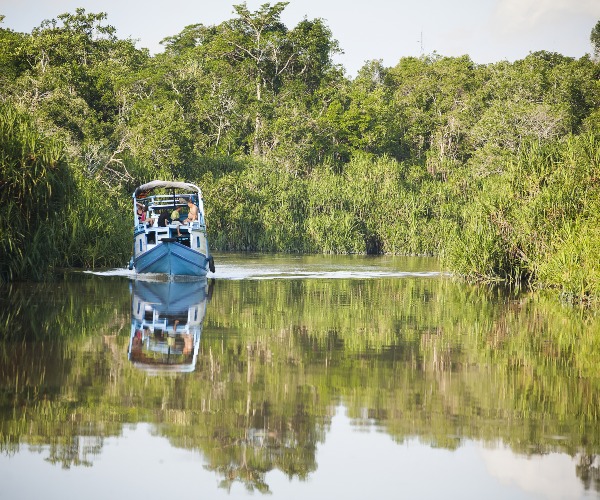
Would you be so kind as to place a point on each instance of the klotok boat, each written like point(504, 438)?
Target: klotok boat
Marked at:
point(165, 240)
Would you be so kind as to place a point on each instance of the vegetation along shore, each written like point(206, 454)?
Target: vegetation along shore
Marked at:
point(494, 168)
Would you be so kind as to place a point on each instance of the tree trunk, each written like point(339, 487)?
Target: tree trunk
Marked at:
point(257, 122)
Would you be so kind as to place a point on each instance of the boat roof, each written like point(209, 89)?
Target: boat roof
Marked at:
point(151, 186)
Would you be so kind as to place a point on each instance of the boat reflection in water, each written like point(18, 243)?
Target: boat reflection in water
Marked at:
point(166, 324)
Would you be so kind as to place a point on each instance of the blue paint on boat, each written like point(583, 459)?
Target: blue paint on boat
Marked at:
point(172, 258)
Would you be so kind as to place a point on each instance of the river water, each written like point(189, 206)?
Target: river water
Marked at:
point(296, 377)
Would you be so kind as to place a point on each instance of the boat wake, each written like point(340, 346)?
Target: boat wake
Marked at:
point(152, 277)
point(273, 269)
point(237, 273)
point(113, 272)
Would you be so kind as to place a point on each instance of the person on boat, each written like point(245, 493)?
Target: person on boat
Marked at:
point(193, 212)
point(175, 219)
point(163, 219)
point(141, 214)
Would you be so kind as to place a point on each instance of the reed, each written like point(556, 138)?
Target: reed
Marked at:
point(52, 214)
point(374, 205)
point(536, 220)
point(34, 183)
point(96, 225)
point(571, 267)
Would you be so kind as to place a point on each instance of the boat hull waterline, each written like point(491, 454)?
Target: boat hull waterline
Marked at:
point(174, 259)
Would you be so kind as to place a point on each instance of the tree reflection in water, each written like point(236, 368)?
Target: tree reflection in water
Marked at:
point(427, 358)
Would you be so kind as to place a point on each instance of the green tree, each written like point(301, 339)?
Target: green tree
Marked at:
point(595, 39)
point(259, 39)
point(12, 62)
point(254, 82)
point(76, 72)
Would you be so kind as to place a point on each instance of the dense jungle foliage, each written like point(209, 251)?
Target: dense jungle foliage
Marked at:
point(434, 359)
point(495, 168)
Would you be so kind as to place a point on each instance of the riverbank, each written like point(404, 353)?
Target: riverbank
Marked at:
point(493, 168)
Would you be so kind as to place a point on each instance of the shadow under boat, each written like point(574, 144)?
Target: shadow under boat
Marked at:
point(166, 325)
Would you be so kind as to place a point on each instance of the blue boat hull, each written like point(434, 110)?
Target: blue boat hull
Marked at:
point(172, 297)
point(172, 258)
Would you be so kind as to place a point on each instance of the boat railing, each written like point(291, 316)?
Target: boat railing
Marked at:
point(160, 201)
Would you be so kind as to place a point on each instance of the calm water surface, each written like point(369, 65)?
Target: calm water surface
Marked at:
point(298, 377)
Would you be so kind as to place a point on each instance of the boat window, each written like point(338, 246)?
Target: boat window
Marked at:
point(140, 244)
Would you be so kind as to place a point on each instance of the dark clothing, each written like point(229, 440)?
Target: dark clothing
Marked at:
point(163, 220)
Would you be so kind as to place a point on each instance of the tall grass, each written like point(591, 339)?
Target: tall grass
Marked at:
point(373, 206)
point(34, 184)
point(572, 264)
point(536, 220)
point(96, 227)
point(51, 214)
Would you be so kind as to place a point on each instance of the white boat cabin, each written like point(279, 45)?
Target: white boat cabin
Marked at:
point(157, 225)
